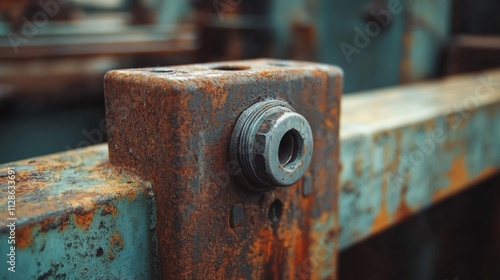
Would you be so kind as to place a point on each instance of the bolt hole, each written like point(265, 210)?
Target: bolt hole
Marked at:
point(165, 71)
point(275, 211)
point(278, 64)
point(231, 68)
point(289, 148)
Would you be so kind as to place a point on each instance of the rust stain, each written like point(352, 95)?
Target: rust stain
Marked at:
point(329, 124)
point(116, 244)
point(219, 99)
point(116, 240)
point(383, 218)
point(284, 249)
point(274, 245)
point(23, 236)
point(84, 220)
point(302, 235)
point(403, 210)
point(265, 247)
point(109, 209)
point(458, 176)
point(132, 195)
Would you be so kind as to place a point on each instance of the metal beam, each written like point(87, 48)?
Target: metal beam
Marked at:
point(76, 218)
point(408, 147)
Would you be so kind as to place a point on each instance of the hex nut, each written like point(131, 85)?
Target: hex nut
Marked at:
point(273, 145)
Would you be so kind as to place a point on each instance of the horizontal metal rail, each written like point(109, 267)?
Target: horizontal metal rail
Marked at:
point(402, 149)
point(408, 147)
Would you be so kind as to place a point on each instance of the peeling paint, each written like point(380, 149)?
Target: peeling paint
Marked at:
point(72, 209)
point(406, 148)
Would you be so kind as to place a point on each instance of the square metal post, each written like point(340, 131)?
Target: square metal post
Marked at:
point(173, 125)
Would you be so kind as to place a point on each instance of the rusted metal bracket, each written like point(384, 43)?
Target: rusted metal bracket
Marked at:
point(173, 127)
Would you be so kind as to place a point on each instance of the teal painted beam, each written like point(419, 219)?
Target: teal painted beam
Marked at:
point(406, 148)
point(76, 219)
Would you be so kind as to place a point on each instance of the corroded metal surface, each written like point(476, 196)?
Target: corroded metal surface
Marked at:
point(77, 219)
point(173, 126)
point(406, 148)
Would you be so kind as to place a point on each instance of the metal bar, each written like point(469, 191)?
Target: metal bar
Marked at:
point(75, 218)
point(406, 148)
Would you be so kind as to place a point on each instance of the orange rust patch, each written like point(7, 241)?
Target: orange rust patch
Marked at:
point(109, 209)
point(132, 195)
point(23, 237)
point(383, 218)
point(264, 243)
point(458, 176)
point(271, 250)
point(403, 210)
point(84, 220)
point(116, 240)
point(267, 74)
point(219, 100)
point(115, 244)
point(290, 248)
point(329, 124)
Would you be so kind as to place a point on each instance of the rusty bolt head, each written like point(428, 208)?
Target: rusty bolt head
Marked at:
point(273, 144)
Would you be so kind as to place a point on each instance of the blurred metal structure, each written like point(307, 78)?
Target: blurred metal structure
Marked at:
point(54, 54)
point(409, 147)
point(377, 43)
point(402, 150)
point(469, 53)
